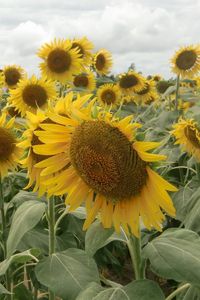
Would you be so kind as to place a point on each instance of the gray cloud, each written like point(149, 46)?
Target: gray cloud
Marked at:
point(144, 32)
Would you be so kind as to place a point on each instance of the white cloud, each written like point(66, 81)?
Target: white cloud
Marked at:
point(140, 31)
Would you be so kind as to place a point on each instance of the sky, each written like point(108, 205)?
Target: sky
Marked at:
point(143, 32)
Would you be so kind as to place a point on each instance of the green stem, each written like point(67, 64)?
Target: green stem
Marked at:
point(4, 239)
point(51, 222)
point(134, 246)
point(198, 170)
point(177, 92)
point(177, 291)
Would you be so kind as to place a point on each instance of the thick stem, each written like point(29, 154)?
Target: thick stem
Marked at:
point(177, 291)
point(51, 222)
point(177, 92)
point(134, 246)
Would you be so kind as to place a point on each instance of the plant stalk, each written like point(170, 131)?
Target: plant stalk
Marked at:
point(51, 222)
point(134, 246)
point(177, 92)
point(177, 291)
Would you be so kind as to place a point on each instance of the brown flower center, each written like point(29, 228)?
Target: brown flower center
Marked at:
point(34, 95)
point(162, 86)
point(190, 133)
point(7, 144)
point(100, 62)
point(128, 81)
point(12, 76)
point(105, 159)
point(81, 81)
point(108, 97)
point(80, 48)
point(186, 59)
point(59, 61)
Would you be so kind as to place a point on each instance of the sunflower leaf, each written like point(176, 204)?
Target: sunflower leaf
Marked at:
point(175, 254)
point(25, 218)
point(67, 273)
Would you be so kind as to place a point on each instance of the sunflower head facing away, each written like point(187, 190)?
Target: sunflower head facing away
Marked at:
point(187, 134)
point(102, 62)
point(99, 162)
point(109, 94)
point(31, 94)
point(9, 152)
point(85, 81)
point(84, 47)
point(60, 60)
point(186, 61)
point(131, 82)
point(12, 75)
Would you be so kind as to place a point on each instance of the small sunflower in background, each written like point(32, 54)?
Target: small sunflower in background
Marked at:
point(163, 85)
point(187, 134)
point(131, 82)
point(109, 94)
point(2, 79)
point(32, 93)
point(12, 75)
point(84, 47)
point(85, 81)
point(102, 62)
point(10, 153)
point(186, 61)
point(99, 162)
point(156, 77)
point(60, 60)
point(147, 94)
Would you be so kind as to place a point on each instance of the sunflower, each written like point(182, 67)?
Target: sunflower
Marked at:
point(9, 151)
point(163, 85)
point(187, 135)
point(31, 94)
point(147, 93)
point(186, 61)
point(2, 79)
point(12, 75)
point(109, 94)
point(157, 77)
point(84, 47)
point(102, 62)
point(99, 162)
point(85, 81)
point(60, 60)
point(131, 82)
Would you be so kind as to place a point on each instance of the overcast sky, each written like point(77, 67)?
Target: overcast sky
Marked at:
point(145, 32)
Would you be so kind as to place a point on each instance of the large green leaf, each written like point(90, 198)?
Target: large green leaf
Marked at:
point(175, 254)
point(22, 257)
point(67, 273)
point(25, 218)
point(137, 290)
point(96, 237)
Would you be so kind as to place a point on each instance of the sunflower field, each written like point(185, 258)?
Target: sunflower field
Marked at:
point(99, 178)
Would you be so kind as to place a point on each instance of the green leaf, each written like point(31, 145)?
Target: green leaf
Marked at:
point(144, 290)
point(25, 218)
point(90, 291)
point(96, 237)
point(67, 273)
point(137, 290)
point(175, 254)
point(18, 258)
point(3, 290)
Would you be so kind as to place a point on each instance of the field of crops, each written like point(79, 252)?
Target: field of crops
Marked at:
point(99, 178)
